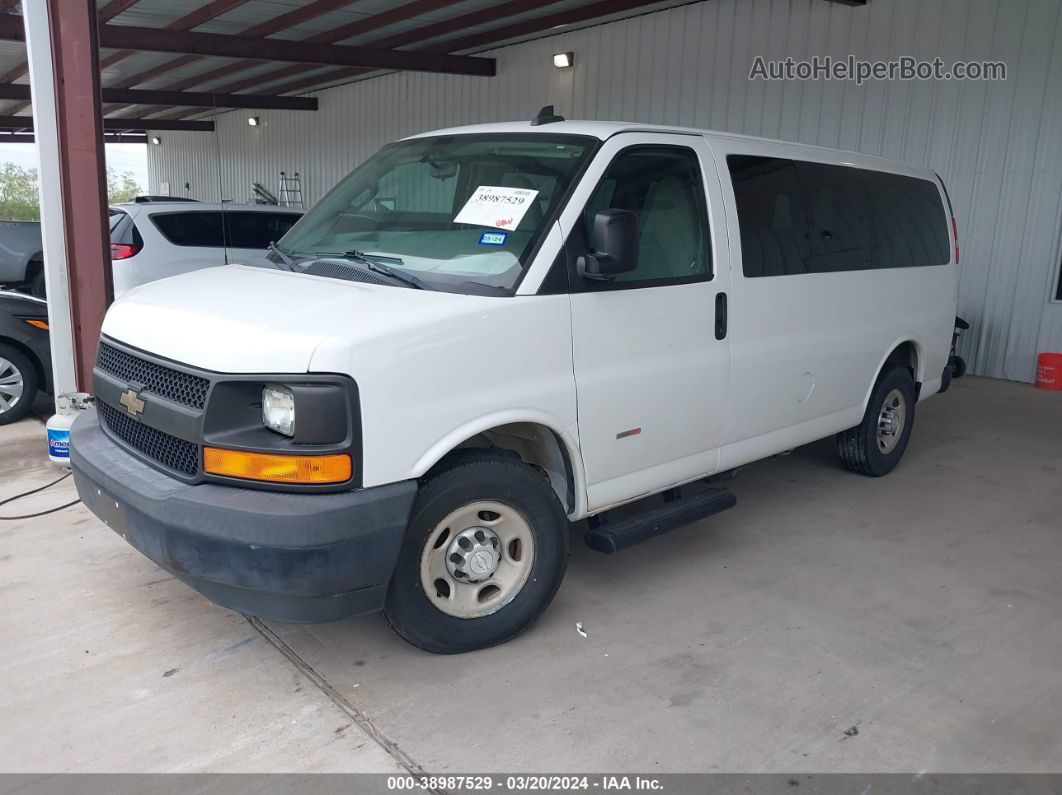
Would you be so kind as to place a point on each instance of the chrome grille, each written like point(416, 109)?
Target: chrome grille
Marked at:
point(184, 388)
point(176, 454)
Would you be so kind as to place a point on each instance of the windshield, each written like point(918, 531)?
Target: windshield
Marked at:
point(459, 213)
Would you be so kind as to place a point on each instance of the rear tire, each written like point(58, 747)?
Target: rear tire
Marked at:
point(18, 384)
point(958, 367)
point(484, 554)
point(876, 445)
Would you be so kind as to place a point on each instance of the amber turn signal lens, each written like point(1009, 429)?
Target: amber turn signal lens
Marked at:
point(41, 324)
point(310, 469)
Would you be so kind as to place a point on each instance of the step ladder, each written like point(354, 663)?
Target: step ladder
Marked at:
point(290, 190)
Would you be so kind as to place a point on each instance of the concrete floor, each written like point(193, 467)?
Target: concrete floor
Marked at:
point(922, 609)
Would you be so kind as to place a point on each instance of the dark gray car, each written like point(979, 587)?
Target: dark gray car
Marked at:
point(25, 354)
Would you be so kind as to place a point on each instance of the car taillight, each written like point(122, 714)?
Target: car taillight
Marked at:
point(955, 229)
point(123, 251)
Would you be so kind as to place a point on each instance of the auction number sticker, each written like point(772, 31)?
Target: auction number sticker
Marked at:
point(497, 207)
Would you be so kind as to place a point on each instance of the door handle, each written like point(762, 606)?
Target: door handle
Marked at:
point(720, 316)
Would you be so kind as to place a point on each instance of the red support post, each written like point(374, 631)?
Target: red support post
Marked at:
point(82, 175)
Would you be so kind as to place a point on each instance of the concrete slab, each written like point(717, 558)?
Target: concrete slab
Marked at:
point(921, 609)
point(111, 665)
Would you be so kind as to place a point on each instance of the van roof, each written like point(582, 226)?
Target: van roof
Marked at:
point(606, 129)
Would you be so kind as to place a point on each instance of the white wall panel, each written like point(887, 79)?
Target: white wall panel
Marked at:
point(997, 145)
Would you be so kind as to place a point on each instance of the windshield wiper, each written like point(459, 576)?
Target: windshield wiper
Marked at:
point(283, 256)
point(375, 262)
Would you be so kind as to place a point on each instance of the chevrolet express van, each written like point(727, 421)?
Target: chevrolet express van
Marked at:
point(485, 334)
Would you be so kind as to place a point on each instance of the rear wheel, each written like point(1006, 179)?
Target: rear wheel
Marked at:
point(876, 445)
point(18, 384)
point(484, 554)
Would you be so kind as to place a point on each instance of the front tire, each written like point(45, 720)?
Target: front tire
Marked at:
point(18, 384)
point(876, 445)
point(484, 554)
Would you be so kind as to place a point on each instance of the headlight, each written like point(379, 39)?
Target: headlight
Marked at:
point(278, 409)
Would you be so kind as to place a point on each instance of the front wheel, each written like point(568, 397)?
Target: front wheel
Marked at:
point(485, 551)
point(876, 445)
point(18, 384)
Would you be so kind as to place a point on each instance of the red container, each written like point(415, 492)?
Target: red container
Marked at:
point(1049, 371)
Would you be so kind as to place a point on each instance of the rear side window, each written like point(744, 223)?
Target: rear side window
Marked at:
point(191, 229)
point(800, 217)
point(124, 231)
point(233, 228)
point(774, 228)
point(256, 230)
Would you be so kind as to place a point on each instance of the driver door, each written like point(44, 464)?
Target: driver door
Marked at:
point(652, 368)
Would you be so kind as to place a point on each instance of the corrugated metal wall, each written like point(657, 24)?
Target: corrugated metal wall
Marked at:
point(998, 145)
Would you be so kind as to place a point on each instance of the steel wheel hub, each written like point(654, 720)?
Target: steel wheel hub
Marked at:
point(473, 555)
point(891, 421)
point(477, 559)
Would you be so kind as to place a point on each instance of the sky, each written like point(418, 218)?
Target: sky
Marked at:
point(120, 157)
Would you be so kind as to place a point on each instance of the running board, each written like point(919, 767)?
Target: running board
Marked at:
point(676, 512)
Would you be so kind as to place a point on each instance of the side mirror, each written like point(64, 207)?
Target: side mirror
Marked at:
point(616, 241)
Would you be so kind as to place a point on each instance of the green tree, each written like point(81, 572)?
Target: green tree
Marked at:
point(121, 187)
point(18, 193)
point(20, 199)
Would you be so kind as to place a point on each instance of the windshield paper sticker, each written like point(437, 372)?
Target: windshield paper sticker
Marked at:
point(493, 238)
point(497, 207)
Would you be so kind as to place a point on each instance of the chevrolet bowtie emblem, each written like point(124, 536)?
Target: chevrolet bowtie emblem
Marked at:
point(132, 402)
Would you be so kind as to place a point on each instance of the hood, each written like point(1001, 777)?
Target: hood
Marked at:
point(237, 319)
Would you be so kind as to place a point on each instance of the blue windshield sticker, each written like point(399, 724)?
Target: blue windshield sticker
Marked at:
point(493, 238)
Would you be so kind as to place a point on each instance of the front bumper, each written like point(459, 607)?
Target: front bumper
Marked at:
point(284, 556)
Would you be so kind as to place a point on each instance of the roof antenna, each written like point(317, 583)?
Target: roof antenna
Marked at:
point(546, 116)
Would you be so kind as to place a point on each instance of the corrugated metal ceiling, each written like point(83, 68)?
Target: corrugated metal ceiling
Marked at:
point(162, 13)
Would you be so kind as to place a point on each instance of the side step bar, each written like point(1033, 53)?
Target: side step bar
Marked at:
point(676, 512)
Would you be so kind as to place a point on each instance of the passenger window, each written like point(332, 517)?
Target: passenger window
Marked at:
point(191, 229)
point(775, 238)
point(257, 229)
point(662, 186)
point(801, 217)
point(910, 225)
point(839, 235)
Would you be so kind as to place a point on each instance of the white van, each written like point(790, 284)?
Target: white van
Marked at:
point(487, 333)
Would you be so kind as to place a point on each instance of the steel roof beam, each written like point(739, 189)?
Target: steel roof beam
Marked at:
point(26, 123)
point(195, 99)
point(150, 39)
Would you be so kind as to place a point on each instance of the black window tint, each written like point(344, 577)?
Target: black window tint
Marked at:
point(771, 216)
point(838, 218)
point(662, 186)
point(802, 217)
point(124, 231)
point(910, 225)
point(191, 229)
point(256, 230)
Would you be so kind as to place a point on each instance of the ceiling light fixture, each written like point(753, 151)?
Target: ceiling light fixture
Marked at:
point(564, 60)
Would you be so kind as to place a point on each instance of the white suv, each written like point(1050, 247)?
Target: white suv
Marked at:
point(153, 240)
